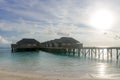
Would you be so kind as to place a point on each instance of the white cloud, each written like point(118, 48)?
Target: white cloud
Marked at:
point(3, 40)
point(47, 20)
point(114, 35)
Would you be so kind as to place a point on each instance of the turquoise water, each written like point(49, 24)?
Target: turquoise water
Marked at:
point(48, 63)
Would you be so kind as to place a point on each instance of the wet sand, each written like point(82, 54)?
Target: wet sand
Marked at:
point(8, 75)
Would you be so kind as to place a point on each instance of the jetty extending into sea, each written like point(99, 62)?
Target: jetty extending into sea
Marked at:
point(65, 45)
point(98, 52)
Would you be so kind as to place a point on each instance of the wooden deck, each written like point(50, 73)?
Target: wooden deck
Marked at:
point(88, 51)
point(101, 47)
point(109, 52)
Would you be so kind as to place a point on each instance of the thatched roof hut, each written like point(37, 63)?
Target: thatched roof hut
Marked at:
point(28, 41)
point(68, 40)
point(26, 44)
point(64, 42)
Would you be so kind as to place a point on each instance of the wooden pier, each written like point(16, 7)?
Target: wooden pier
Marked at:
point(68, 46)
point(96, 52)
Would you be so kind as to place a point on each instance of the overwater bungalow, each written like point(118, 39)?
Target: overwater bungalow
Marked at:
point(26, 44)
point(64, 42)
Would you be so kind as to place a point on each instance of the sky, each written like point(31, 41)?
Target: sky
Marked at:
point(92, 22)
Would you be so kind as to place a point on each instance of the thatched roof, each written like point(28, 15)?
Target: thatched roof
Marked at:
point(28, 41)
point(68, 40)
point(63, 40)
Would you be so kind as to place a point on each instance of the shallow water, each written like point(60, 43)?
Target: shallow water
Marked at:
point(58, 64)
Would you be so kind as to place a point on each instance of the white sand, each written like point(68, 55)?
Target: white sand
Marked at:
point(7, 75)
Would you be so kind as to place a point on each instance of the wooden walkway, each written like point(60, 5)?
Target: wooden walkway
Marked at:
point(99, 52)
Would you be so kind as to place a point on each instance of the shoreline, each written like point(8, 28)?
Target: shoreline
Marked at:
point(9, 75)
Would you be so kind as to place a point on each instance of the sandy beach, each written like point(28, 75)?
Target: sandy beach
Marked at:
point(8, 75)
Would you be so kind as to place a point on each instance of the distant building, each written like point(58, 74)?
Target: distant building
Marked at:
point(64, 42)
point(26, 45)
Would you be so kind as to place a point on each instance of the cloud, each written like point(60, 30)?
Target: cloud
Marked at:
point(63, 34)
point(48, 19)
point(28, 29)
point(3, 40)
point(48, 11)
point(63, 11)
point(114, 35)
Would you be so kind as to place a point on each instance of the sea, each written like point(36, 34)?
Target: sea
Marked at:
point(59, 65)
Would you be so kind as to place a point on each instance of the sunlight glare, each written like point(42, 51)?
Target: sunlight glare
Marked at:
point(102, 70)
point(102, 19)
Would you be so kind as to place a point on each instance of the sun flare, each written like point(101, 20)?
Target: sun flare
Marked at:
point(102, 19)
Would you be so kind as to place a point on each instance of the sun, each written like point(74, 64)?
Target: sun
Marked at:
point(102, 19)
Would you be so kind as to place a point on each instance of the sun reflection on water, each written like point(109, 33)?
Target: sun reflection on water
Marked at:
point(103, 54)
point(102, 70)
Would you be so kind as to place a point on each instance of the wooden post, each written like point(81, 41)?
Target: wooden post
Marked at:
point(107, 53)
point(12, 50)
point(73, 52)
point(98, 53)
point(68, 51)
point(64, 51)
point(111, 53)
point(91, 53)
point(84, 52)
point(117, 54)
point(79, 52)
point(102, 53)
point(95, 52)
